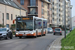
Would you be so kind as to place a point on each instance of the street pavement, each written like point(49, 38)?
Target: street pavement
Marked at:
point(39, 43)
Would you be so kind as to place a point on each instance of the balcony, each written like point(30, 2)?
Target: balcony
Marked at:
point(47, 1)
point(32, 5)
point(33, 13)
point(55, 7)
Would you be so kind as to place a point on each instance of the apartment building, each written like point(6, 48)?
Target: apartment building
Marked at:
point(58, 13)
point(9, 11)
point(73, 22)
point(68, 14)
point(38, 8)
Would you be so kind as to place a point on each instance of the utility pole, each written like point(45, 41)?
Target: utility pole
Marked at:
point(65, 18)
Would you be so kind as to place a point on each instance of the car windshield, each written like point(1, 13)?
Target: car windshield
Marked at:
point(25, 25)
point(3, 29)
point(57, 29)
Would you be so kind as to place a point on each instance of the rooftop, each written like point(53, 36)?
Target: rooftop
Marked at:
point(11, 3)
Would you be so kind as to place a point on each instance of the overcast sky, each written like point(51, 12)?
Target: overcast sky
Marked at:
point(73, 9)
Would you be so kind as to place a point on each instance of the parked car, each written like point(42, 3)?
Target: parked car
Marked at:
point(50, 30)
point(57, 31)
point(5, 33)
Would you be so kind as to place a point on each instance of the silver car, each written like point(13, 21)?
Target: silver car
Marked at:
point(5, 33)
point(57, 31)
point(50, 30)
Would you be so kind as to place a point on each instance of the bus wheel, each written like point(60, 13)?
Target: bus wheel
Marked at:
point(41, 34)
point(45, 33)
point(36, 35)
point(20, 37)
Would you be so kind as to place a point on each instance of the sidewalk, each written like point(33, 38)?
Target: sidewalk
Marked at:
point(56, 44)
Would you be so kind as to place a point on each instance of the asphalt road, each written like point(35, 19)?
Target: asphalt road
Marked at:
point(39, 43)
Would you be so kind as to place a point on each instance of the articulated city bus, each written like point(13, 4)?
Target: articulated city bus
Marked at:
point(30, 26)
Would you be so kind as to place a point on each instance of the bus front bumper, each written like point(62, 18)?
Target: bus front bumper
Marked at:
point(34, 34)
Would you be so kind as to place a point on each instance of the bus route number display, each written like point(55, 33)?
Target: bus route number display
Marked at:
point(27, 18)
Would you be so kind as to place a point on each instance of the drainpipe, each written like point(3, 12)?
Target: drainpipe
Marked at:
point(6, 14)
point(20, 11)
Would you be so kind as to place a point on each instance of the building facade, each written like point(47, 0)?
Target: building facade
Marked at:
point(68, 14)
point(58, 13)
point(73, 22)
point(38, 8)
point(9, 11)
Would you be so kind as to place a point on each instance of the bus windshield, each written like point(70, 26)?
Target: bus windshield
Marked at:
point(25, 25)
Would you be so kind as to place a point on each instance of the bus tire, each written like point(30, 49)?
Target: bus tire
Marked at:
point(36, 35)
point(20, 37)
point(45, 33)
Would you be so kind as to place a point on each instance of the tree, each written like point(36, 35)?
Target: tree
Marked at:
point(13, 27)
point(1, 25)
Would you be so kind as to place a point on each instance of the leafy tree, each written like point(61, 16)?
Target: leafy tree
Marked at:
point(1, 25)
point(13, 27)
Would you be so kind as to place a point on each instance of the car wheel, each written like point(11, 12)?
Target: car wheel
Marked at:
point(20, 37)
point(11, 37)
point(6, 38)
point(60, 33)
point(54, 34)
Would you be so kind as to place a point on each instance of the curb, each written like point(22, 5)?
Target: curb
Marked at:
point(56, 44)
point(53, 45)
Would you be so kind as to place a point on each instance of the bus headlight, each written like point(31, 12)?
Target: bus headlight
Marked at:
point(32, 33)
point(17, 33)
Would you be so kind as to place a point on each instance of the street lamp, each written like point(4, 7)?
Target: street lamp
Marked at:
point(71, 16)
point(65, 18)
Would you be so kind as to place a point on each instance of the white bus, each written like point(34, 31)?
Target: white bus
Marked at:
point(30, 26)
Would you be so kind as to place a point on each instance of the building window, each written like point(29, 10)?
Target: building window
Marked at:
point(53, 8)
point(32, 2)
point(16, 15)
point(59, 5)
point(49, 0)
point(59, 15)
point(42, 16)
point(7, 25)
point(42, 11)
point(11, 17)
point(53, 3)
point(59, 20)
point(48, 6)
point(50, 9)
point(53, 19)
point(3, 18)
point(33, 11)
point(53, 13)
point(42, 4)
point(48, 13)
point(7, 16)
point(59, 9)
point(22, 2)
